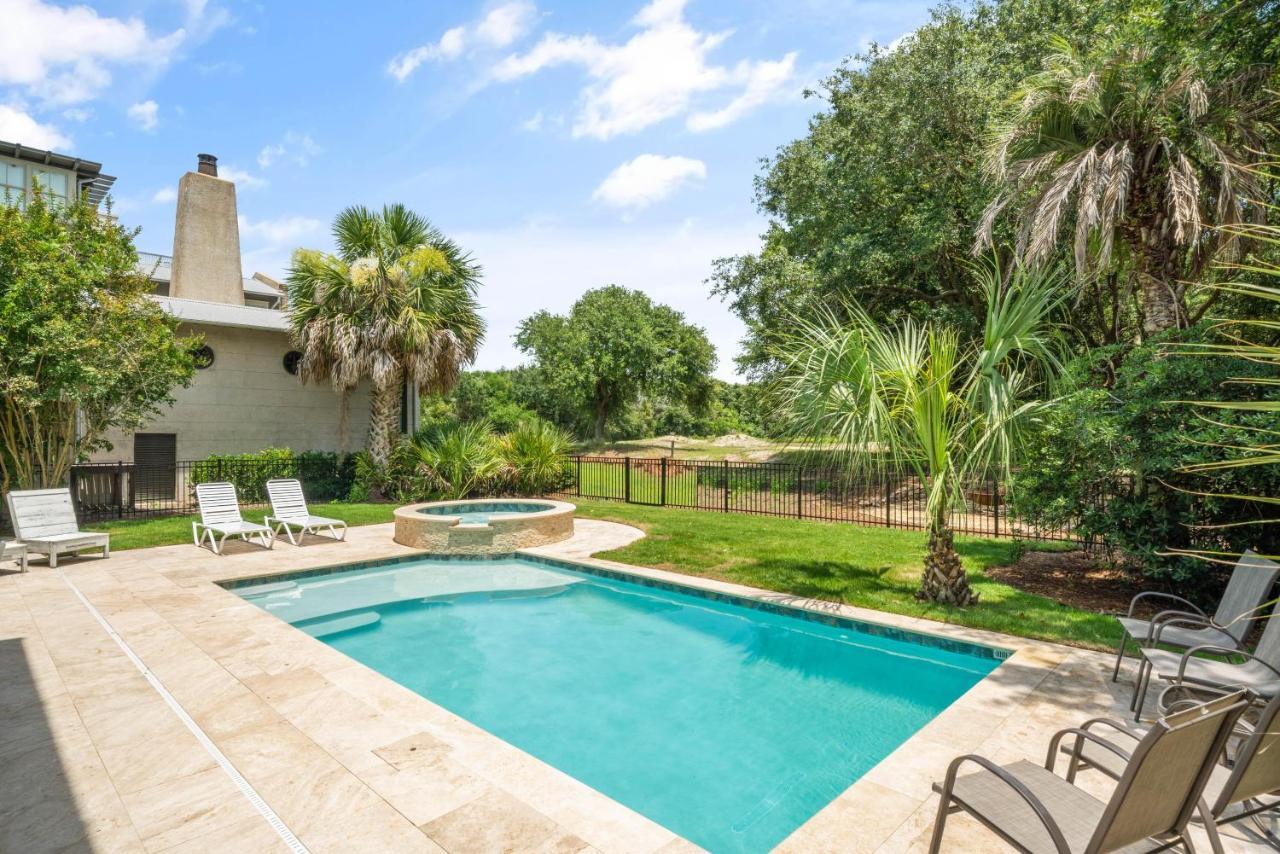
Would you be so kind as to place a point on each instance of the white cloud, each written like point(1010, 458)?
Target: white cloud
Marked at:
point(296, 147)
point(647, 179)
point(533, 123)
point(77, 114)
point(282, 230)
point(164, 196)
point(61, 54)
point(17, 126)
point(500, 28)
point(661, 72)
point(146, 115)
point(242, 179)
point(522, 276)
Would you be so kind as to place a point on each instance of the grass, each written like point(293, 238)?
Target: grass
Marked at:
point(166, 531)
point(876, 568)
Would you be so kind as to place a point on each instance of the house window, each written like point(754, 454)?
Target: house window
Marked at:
point(13, 184)
point(54, 184)
point(203, 356)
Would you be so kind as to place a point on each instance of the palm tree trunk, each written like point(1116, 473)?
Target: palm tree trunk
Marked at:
point(945, 581)
point(384, 421)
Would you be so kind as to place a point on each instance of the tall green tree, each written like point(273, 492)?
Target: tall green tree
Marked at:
point(613, 345)
point(1121, 151)
point(922, 395)
point(395, 304)
point(82, 348)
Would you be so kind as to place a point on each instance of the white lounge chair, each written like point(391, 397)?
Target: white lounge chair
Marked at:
point(220, 515)
point(44, 520)
point(289, 511)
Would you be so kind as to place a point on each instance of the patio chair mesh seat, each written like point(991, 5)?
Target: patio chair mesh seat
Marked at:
point(1254, 675)
point(1186, 636)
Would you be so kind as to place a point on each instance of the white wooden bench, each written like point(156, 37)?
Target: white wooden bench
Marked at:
point(220, 515)
point(44, 520)
point(289, 510)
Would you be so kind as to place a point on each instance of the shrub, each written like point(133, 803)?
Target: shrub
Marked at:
point(249, 473)
point(535, 458)
point(1131, 444)
point(458, 460)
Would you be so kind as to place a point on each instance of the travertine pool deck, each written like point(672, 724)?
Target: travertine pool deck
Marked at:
point(92, 757)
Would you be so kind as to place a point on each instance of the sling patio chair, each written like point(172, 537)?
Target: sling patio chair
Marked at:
point(220, 515)
point(1259, 671)
point(1035, 810)
point(289, 511)
point(1253, 771)
point(1251, 580)
point(44, 520)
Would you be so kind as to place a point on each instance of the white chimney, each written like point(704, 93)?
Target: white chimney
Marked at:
point(206, 238)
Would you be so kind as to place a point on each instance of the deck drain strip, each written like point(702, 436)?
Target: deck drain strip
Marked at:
point(245, 787)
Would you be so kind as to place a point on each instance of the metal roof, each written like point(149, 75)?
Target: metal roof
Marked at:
point(224, 314)
point(88, 173)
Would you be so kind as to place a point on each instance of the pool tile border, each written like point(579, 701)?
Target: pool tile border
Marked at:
point(865, 627)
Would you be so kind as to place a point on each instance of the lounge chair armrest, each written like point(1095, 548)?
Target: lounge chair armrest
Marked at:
point(1153, 594)
point(1082, 735)
point(1196, 623)
point(1221, 650)
point(1028, 797)
point(1119, 726)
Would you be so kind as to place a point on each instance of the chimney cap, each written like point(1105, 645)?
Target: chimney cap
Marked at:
point(207, 164)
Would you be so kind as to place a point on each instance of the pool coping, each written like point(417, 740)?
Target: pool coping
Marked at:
point(221, 655)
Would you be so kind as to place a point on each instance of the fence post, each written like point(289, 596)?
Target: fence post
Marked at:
point(579, 477)
point(117, 490)
point(726, 485)
point(626, 479)
point(800, 492)
point(995, 504)
point(662, 493)
point(888, 501)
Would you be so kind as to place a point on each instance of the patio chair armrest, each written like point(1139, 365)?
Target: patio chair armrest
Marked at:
point(1184, 623)
point(1116, 725)
point(1028, 797)
point(1154, 594)
point(1082, 735)
point(1221, 650)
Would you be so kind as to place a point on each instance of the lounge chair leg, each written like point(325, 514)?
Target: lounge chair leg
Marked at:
point(1137, 684)
point(53, 559)
point(1142, 692)
point(935, 842)
point(1124, 642)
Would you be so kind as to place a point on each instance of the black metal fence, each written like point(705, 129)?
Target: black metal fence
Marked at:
point(131, 491)
point(894, 500)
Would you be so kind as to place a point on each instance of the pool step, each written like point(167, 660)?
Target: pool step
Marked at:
point(346, 623)
point(264, 589)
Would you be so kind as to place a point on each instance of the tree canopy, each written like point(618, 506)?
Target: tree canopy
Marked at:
point(613, 346)
point(82, 348)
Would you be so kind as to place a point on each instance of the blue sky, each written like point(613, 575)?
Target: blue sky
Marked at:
point(567, 145)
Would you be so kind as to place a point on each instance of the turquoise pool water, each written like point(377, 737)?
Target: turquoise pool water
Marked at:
point(727, 724)
point(479, 513)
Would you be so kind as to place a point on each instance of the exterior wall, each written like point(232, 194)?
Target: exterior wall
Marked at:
point(206, 241)
point(246, 401)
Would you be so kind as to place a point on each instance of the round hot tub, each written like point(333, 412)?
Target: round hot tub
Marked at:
point(483, 525)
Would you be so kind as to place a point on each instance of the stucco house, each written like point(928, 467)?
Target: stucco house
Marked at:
point(245, 395)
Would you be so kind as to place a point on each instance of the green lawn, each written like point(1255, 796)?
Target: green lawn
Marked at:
point(869, 567)
point(875, 568)
point(144, 533)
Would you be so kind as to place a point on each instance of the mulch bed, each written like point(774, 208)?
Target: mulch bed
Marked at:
point(1070, 578)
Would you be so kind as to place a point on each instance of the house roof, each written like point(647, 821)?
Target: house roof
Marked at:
point(224, 314)
point(88, 173)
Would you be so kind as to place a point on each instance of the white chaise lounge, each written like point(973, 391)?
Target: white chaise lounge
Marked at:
point(289, 511)
point(220, 518)
point(44, 520)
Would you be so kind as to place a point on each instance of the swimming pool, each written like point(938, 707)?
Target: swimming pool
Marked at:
point(729, 722)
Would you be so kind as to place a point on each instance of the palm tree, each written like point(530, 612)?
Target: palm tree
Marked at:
point(396, 304)
point(917, 395)
point(1126, 151)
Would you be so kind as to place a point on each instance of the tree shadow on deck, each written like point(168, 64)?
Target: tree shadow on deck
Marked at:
point(38, 811)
